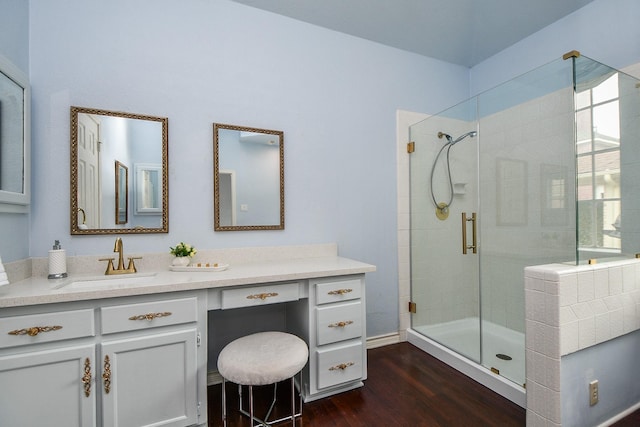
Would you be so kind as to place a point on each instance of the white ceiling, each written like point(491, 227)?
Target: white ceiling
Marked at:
point(463, 32)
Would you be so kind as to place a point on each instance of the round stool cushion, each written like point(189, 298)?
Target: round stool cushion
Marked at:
point(263, 358)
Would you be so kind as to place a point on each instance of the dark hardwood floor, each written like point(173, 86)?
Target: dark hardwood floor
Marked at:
point(406, 387)
point(632, 420)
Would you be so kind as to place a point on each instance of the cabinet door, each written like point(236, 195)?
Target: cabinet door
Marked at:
point(153, 380)
point(46, 388)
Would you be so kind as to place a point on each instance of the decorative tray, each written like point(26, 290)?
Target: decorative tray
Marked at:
point(201, 266)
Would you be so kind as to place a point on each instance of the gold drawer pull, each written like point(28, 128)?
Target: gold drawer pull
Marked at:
point(263, 296)
point(341, 324)
point(106, 375)
point(340, 291)
point(35, 330)
point(341, 367)
point(150, 316)
point(86, 378)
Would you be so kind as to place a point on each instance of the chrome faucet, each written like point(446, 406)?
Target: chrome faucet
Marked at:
point(131, 268)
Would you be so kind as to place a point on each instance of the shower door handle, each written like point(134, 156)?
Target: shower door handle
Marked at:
point(474, 244)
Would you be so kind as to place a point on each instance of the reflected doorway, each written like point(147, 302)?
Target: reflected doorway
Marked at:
point(227, 197)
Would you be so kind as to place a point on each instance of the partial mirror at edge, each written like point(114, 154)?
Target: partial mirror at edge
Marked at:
point(248, 170)
point(101, 194)
point(15, 143)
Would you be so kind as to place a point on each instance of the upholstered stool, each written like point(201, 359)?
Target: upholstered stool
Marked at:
point(261, 359)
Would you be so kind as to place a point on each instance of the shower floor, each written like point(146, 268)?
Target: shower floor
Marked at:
point(462, 337)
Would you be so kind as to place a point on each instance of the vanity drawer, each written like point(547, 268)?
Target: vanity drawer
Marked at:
point(339, 364)
point(46, 327)
point(338, 322)
point(259, 295)
point(133, 317)
point(340, 290)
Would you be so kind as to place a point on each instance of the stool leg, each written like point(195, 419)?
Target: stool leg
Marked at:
point(300, 394)
point(224, 403)
point(293, 401)
point(251, 404)
point(273, 403)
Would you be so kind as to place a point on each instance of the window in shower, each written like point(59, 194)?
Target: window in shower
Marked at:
point(598, 165)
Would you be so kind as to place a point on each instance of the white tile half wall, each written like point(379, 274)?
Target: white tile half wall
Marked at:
point(568, 309)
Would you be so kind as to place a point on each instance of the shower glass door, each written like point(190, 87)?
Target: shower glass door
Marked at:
point(445, 282)
point(518, 176)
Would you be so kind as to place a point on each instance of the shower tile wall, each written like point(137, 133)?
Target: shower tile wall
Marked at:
point(444, 280)
point(523, 150)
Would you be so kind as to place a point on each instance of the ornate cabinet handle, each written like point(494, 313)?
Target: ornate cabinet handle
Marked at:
point(341, 324)
point(341, 367)
point(34, 330)
point(150, 316)
point(86, 378)
point(263, 296)
point(106, 375)
point(340, 292)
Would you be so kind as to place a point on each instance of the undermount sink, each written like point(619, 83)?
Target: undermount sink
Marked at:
point(109, 282)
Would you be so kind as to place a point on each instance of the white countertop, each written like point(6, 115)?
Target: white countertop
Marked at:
point(40, 290)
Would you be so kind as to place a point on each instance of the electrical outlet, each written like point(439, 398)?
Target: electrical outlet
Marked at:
point(593, 392)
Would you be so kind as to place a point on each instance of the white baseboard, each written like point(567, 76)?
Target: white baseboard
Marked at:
point(213, 377)
point(382, 340)
point(620, 416)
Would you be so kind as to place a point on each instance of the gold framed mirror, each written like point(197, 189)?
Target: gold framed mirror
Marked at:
point(101, 194)
point(248, 171)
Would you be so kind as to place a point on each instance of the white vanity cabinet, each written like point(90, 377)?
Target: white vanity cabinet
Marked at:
point(133, 361)
point(148, 355)
point(118, 355)
point(47, 365)
point(334, 326)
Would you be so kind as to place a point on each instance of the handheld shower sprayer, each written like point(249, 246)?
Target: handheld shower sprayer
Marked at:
point(460, 138)
point(442, 209)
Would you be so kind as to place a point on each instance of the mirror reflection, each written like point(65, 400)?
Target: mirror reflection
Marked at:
point(148, 190)
point(122, 193)
point(248, 178)
point(101, 194)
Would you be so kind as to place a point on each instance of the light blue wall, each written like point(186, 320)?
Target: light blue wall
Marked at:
point(615, 365)
point(198, 62)
point(14, 45)
point(14, 32)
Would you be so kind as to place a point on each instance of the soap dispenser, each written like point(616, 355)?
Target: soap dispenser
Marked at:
point(57, 262)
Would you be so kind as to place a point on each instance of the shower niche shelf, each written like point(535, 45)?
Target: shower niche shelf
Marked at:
point(460, 188)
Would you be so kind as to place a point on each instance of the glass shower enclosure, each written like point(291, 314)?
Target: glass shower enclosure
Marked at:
point(527, 173)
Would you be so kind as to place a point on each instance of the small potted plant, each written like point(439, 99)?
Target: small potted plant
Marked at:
point(183, 252)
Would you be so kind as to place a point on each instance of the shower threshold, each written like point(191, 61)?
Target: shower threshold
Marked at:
point(506, 388)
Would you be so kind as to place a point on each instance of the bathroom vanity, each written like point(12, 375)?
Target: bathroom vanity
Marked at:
point(101, 352)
